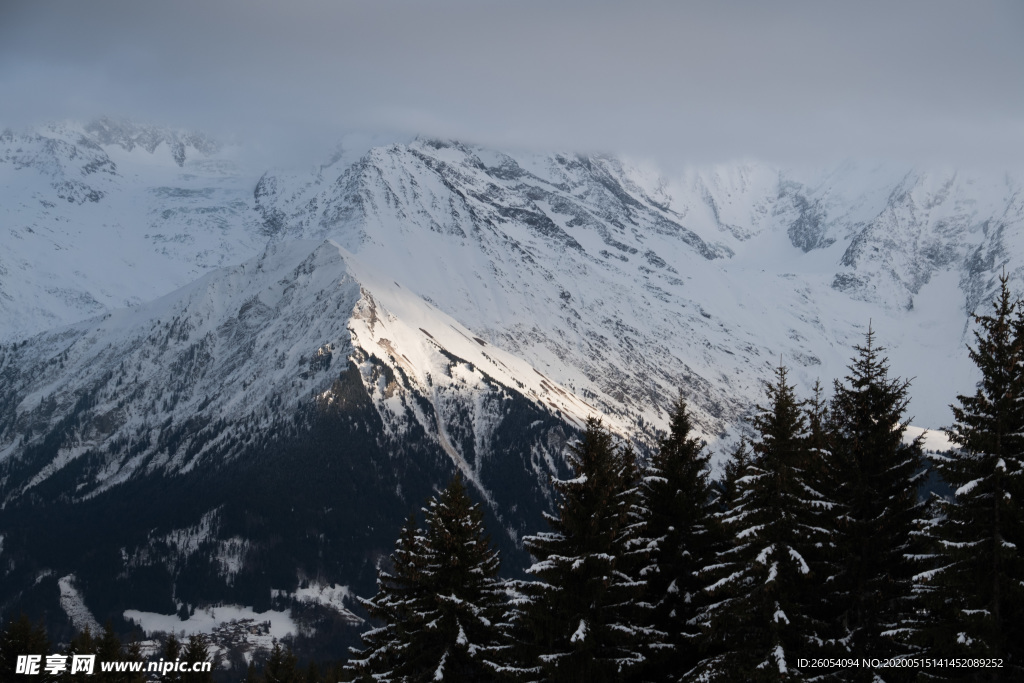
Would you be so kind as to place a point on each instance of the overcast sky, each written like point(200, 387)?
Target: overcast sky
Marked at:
point(931, 81)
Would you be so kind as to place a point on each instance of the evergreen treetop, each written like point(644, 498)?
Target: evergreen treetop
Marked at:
point(763, 613)
point(583, 617)
point(975, 584)
point(281, 666)
point(171, 652)
point(196, 651)
point(876, 480)
point(682, 535)
point(20, 637)
point(441, 603)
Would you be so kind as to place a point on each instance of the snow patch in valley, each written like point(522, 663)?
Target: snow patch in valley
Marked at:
point(74, 606)
point(208, 619)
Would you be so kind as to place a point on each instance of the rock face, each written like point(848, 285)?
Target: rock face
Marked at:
point(307, 356)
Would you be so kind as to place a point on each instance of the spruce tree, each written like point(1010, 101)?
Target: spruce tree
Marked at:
point(975, 587)
point(735, 469)
point(170, 653)
point(678, 509)
point(400, 593)
point(197, 652)
point(83, 643)
point(133, 653)
point(108, 649)
point(441, 604)
point(583, 619)
point(821, 476)
point(763, 612)
point(876, 480)
point(281, 666)
point(21, 637)
point(312, 673)
point(251, 674)
point(819, 440)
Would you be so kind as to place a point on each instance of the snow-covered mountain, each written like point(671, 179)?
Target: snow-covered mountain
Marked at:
point(307, 354)
point(571, 262)
point(269, 425)
point(113, 214)
point(628, 287)
point(195, 377)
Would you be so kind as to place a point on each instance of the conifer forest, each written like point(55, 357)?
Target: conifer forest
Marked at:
point(545, 341)
point(825, 552)
point(831, 548)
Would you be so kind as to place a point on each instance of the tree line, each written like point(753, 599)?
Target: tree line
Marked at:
point(22, 639)
point(815, 556)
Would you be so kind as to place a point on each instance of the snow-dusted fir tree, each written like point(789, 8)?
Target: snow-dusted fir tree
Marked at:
point(975, 586)
point(682, 535)
point(762, 615)
point(441, 603)
point(819, 443)
point(827, 557)
point(401, 593)
point(735, 469)
point(582, 618)
point(876, 483)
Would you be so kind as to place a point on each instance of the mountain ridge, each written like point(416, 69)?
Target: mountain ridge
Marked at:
point(306, 356)
point(513, 246)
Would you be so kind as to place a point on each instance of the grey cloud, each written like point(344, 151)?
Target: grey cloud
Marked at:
point(935, 81)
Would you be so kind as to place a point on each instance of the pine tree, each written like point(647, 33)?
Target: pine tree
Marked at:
point(281, 666)
point(170, 653)
point(735, 469)
point(83, 643)
point(251, 674)
point(819, 440)
point(582, 619)
point(678, 506)
point(762, 617)
point(313, 673)
point(826, 555)
point(196, 652)
point(462, 567)
point(975, 587)
point(133, 653)
point(876, 480)
point(108, 649)
point(21, 637)
point(401, 592)
point(441, 603)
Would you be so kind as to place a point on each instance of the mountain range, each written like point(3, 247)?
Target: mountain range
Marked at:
point(225, 384)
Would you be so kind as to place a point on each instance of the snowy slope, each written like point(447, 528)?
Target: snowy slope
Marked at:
point(628, 286)
point(108, 215)
point(269, 425)
point(619, 282)
point(219, 353)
